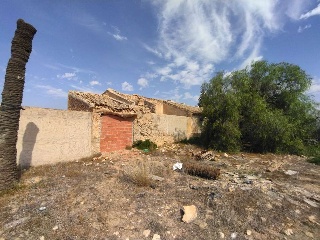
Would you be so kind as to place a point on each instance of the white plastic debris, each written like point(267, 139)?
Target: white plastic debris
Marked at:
point(290, 172)
point(177, 166)
point(42, 208)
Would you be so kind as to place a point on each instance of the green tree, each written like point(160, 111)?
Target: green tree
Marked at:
point(262, 108)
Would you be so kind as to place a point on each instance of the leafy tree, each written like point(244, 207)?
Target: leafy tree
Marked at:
point(262, 108)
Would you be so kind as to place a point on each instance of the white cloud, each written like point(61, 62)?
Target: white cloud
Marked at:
point(117, 34)
point(315, 86)
point(94, 82)
point(68, 75)
point(55, 92)
point(313, 12)
point(152, 50)
point(143, 82)
point(173, 94)
point(301, 29)
point(188, 95)
point(295, 8)
point(119, 37)
point(194, 36)
point(127, 87)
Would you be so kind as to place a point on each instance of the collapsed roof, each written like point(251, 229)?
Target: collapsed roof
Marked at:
point(126, 105)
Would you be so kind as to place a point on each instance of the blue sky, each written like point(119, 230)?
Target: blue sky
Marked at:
point(156, 48)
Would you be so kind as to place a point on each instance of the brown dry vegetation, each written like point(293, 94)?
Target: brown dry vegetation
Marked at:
point(117, 197)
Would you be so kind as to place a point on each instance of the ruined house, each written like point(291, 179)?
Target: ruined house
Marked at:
point(120, 119)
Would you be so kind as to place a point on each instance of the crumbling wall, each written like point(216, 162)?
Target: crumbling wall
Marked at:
point(96, 132)
point(162, 129)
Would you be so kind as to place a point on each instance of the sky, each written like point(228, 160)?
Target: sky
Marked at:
point(161, 49)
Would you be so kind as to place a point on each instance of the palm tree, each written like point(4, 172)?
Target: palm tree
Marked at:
point(11, 103)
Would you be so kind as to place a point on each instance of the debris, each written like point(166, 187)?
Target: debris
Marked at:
point(225, 155)
point(290, 172)
point(156, 237)
point(249, 232)
point(221, 234)
point(205, 156)
point(309, 234)
point(190, 213)
point(42, 208)
point(234, 235)
point(311, 203)
point(177, 165)
point(55, 228)
point(156, 178)
point(146, 233)
point(288, 232)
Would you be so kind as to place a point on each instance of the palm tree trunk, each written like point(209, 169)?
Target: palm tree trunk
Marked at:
point(11, 102)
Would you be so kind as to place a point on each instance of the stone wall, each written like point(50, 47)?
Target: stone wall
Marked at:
point(48, 136)
point(161, 128)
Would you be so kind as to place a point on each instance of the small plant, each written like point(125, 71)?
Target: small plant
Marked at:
point(201, 170)
point(146, 144)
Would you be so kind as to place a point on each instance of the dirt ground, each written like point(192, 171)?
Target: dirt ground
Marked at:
point(256, 197)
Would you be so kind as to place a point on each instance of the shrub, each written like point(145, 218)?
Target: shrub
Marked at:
point(146, 144)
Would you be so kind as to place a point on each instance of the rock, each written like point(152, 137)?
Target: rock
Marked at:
point(290, 172)
point(190, 213)
point(201, 224)
point(42, 208)
point(234, 235)
point(225, 155)
point(249, 232)
point(221, 234)
point(288, 232)
point(309, 234)
point(41, 238)
point(146, 233)
point(312, 219)
point(55, 228)
point(263, 219)
point(156, 237)
point(311, 203)
point(156, 178)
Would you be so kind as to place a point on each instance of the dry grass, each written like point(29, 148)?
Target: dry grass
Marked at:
point(139, 174)
point(201, 170)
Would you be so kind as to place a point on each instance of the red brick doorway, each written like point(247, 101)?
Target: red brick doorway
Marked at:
point(116, 133)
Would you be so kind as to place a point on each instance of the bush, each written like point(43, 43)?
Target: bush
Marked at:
point(147, 144)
